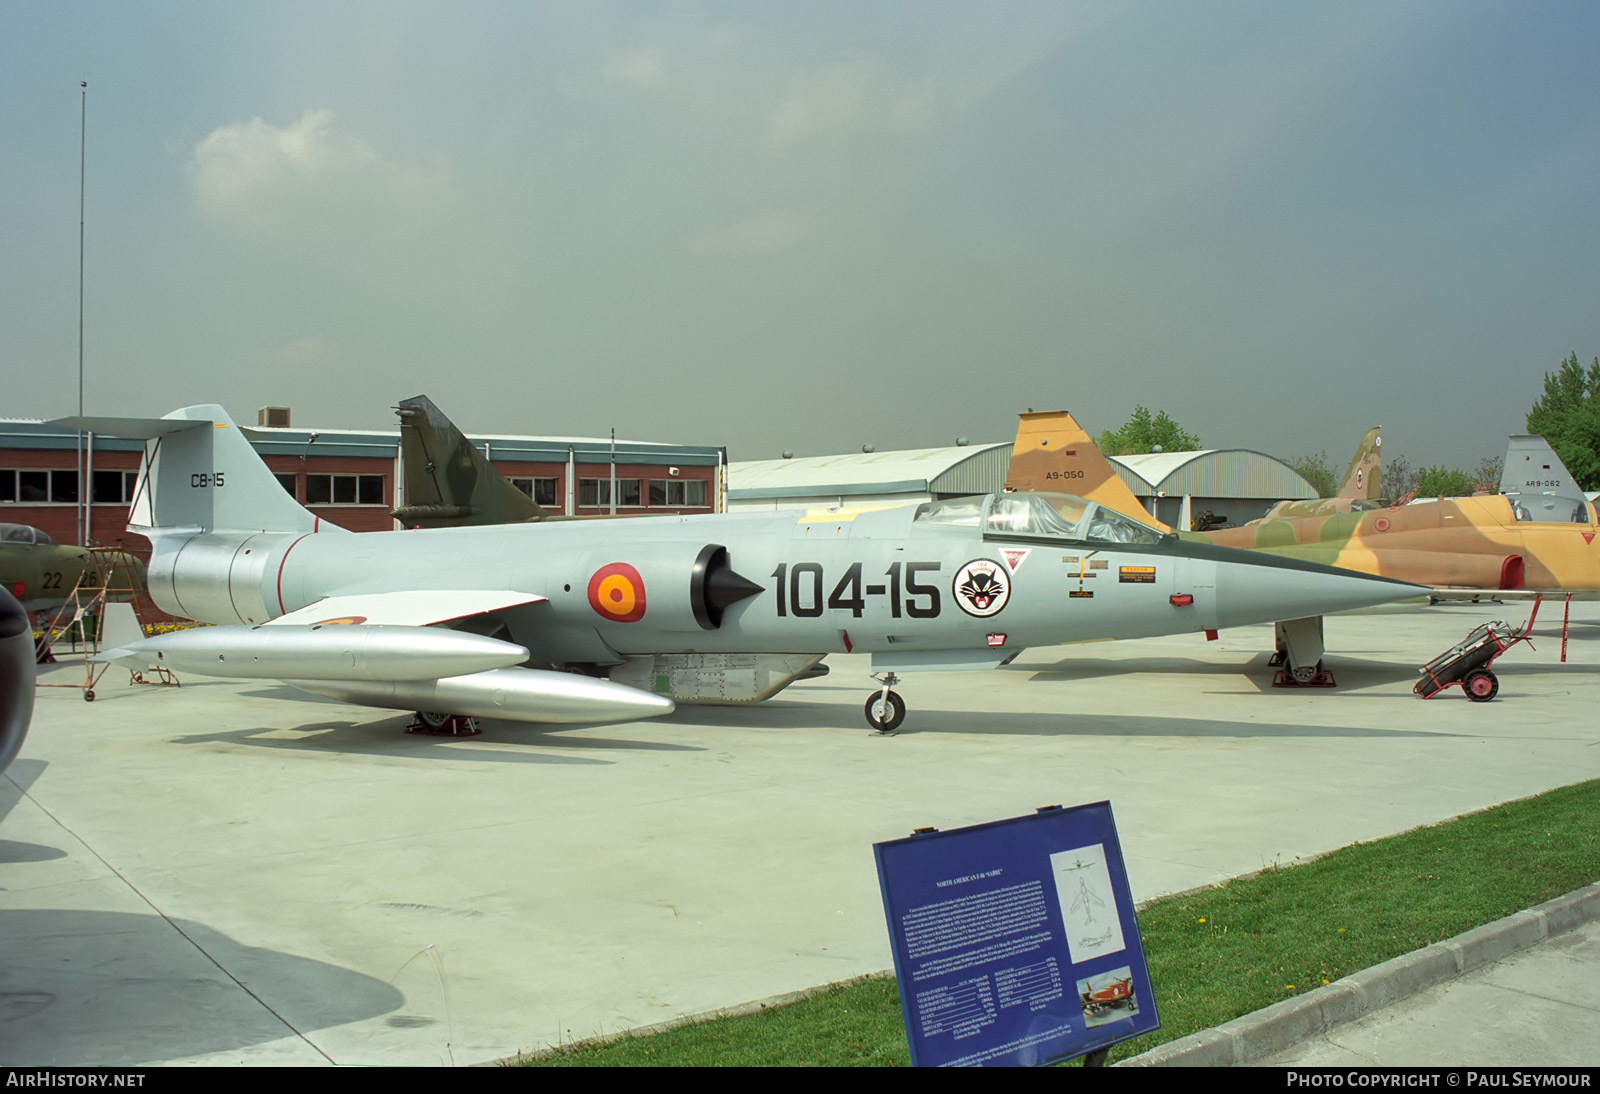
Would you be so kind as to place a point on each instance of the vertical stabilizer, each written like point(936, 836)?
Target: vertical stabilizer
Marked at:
point(1363, 478)
point(200, 475)
point(448, 481)
point(1542, 487)
point(1053, 452)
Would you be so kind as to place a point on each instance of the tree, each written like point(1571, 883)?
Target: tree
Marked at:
point(1143, 433)
point(1399, 477)
point(1315, 470)
point(1446, 482)
point(1568, 416)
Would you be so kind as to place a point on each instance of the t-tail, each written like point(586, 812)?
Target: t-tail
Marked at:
point(1053, 452)
point(203, 493)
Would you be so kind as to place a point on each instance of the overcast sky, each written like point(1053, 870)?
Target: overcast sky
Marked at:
point(809, 225)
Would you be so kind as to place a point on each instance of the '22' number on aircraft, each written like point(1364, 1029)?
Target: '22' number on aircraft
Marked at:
point(799, 589)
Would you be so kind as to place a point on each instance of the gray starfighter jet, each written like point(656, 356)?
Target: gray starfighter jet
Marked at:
point(593, 621)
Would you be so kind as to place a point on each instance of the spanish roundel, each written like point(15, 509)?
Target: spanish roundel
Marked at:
point(617, 593)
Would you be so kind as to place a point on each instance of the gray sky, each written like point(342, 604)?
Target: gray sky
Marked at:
point(809, 225)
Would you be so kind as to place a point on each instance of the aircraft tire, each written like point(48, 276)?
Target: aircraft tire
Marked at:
point(1481, 686)
point(433, 719)
point(885, 716)
point(1304, 674)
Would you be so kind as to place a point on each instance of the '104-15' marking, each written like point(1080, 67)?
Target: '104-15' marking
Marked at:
point(799, 589)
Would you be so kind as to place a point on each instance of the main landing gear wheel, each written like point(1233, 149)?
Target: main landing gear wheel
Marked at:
point(1481, 686)
point(1304, 674)
point(435, 723)
point(885, 711)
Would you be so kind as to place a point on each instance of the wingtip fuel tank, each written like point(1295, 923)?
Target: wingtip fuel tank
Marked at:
point(323, 652)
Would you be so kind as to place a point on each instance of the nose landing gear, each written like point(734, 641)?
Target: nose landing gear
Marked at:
point(885, 709)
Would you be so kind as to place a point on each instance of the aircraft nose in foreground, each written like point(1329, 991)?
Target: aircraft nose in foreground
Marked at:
point(1252, 587)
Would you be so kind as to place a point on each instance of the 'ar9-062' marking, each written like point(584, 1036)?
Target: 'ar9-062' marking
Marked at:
point(799, 589)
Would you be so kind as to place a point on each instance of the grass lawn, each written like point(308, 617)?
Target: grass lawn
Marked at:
point(1216, 953)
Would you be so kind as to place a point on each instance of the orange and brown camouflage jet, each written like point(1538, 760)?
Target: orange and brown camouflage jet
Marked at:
point(1530, 541)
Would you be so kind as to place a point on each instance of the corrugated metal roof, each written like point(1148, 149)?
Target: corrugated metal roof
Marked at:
point(935, 470)
point(1213, 473)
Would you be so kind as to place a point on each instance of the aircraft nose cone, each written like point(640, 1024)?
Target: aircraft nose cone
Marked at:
point(1261, 591)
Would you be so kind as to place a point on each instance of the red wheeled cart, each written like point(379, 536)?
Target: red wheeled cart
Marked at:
point(1467, 663)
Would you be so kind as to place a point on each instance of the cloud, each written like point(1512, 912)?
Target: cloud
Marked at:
point(641, 67)
point(306, 177)
point(769, 233)
point(851, 100)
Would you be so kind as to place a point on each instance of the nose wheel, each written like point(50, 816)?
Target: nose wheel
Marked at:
point(885, 709)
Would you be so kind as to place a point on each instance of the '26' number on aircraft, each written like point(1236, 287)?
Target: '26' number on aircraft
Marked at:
point(799, 589)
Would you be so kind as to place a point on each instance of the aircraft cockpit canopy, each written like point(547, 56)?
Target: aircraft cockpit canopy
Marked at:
point(24, 533)
point(1026, 513)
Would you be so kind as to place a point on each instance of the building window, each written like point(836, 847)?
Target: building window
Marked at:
point(344, 489)
point(114, 487)
point(286, 479)
point(542, 491)
point(685, 492)
point(597, 492)
point(38, 487)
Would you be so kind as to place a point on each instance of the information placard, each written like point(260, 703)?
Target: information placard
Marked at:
point(1015, 942)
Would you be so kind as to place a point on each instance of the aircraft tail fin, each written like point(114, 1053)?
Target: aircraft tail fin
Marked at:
point(1543, 487)
point(1054, 452)
point(448, 482)
point(1364, 477)
point(200, 474)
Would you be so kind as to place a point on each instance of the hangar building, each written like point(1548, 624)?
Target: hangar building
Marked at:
point(1234, 484)
point(867, 478)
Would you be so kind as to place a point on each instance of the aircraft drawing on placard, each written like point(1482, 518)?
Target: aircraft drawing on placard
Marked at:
point(588, 621)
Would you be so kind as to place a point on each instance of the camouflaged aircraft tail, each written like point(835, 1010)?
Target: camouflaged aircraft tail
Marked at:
point(1053, 452)
point(1363, 479)
point(448, 482)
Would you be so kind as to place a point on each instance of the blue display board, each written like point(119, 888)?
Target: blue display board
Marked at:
point(1015, 942)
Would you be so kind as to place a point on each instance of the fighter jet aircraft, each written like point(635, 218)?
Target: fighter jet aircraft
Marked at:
point(644, 613)
point(1524, 541)
point(1358, 491)
point(42, 573)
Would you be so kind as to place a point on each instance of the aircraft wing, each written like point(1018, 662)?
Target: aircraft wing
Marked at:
point(1551, 595)
point(406, 608)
